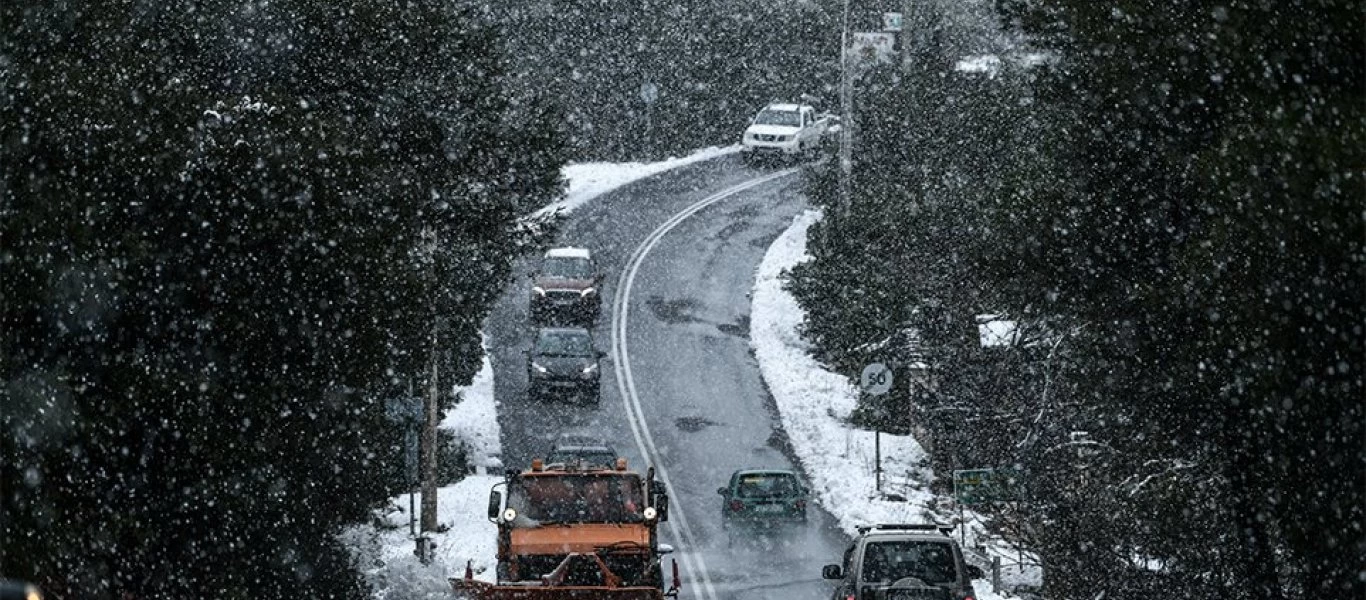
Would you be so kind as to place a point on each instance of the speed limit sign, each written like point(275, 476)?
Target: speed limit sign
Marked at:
point(876, 379)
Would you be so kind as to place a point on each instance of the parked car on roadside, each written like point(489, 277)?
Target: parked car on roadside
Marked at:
point(903, 561)
point(564, 289)
point(563, 363)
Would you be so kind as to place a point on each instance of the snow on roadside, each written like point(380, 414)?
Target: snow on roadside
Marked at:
point(475, 420)
point(814, 404)
point(383, 550)
point(590, 180)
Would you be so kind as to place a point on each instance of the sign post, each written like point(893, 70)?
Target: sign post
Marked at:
point(407, 412)
point(980, 486)
point(876, 380)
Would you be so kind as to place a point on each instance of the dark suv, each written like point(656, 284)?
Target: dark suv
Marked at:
point(565, 289)
point(563, 362)
point(903, 562)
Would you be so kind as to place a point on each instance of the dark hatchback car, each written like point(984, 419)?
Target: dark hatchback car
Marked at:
point(563, 363)
point(762, 497)
point(565, 288)
point(581, 448)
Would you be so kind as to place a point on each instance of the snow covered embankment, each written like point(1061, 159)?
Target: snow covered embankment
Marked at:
point(814, 404)
point(383, 550)
point(590, 180)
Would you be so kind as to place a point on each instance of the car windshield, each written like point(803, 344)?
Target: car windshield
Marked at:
point(930, 562)
point(611, 498)
point(766, 485)
point(567, 267)
point(564, 343)
point(787, 118)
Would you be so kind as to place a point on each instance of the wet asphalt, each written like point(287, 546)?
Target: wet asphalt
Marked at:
point(700, 392)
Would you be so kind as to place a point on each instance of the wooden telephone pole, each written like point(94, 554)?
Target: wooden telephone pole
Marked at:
point(431, 411)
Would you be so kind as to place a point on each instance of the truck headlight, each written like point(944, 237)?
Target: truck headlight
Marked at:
point(538, 369)
point(509, 514)
point(587, 292)
point(537, 290)
point(590, 370)
point(650, 513)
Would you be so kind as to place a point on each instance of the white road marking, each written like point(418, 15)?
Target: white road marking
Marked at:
point(678, 523)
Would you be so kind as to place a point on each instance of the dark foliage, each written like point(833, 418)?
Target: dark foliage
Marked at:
point(714, 63)
point(214, 272)
point(1175, 224)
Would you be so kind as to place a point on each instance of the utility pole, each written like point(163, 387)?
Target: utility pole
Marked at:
point(846, 117)
point(430, 407)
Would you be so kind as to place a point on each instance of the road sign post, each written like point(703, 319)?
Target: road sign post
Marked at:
point(980, 486)
point(876, 380)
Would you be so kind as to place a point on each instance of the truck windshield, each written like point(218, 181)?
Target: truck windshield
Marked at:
point(614, 498)
point(787, 118)
point(886, 562)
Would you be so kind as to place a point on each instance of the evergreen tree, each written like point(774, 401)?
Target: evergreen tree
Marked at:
point(214, 268)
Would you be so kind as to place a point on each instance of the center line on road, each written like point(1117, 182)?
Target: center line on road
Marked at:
point(678, 525)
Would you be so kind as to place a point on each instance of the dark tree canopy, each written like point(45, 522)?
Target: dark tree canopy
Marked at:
point(212, 221)
point(1171, 210)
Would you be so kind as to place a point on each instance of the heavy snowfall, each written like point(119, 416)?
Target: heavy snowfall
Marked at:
point(706, 300)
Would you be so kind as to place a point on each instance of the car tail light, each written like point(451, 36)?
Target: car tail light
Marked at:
point(800, 504)
point(736, 506)
point(849, 597)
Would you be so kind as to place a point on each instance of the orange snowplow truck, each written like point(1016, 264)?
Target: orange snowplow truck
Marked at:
point(576, 530)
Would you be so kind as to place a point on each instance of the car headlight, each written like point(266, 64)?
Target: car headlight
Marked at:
point(587, 292)
point(538, 369)
point(784, 138)
point(590, 370)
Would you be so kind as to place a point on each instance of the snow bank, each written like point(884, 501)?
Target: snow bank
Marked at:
point(383, 550)
point(814, 404)
point(475, 420)
point(589, 180)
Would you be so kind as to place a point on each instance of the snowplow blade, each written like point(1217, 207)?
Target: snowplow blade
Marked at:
point(561, 585)
point(479, 590)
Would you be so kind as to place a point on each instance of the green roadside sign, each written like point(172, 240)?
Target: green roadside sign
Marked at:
point(978, 486)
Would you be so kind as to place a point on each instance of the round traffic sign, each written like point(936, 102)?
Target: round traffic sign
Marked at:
point(876, 379)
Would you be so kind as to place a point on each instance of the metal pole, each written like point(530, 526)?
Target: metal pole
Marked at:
point(877, 459)
point(962, 527)
point(846, 116)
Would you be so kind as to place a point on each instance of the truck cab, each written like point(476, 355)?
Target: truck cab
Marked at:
point(783, 130)
point(549, 512)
